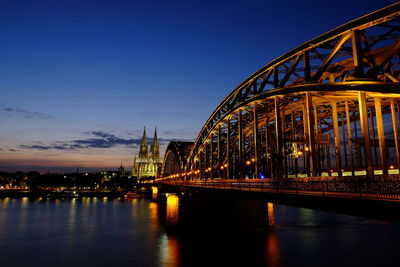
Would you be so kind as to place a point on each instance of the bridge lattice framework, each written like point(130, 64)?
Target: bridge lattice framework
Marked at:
point(331, 105)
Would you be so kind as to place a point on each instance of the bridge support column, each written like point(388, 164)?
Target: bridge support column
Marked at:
point(310, 135)
point(154, 192)
point(241, 146)
point(271, 214)
point(172, 215)
point(365, 132)
point(267, 149)
point(206, 161)
point(277, 168)
point(349, 137)
point(381, 135)
point(395, 133)
point(336, 137)
point(211, 156)
point(228, 148)
point(216, 212)
point(219, 155)
point(256, 142)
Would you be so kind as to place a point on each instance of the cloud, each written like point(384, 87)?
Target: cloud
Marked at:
point(13, 111)
point(101, 140)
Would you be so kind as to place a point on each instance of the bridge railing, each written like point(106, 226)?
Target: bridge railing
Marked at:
point(385, 189)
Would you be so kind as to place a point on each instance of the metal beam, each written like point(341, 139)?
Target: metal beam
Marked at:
point(311, 134)
point(395, 129)
point(277, 164)
point(211, 155)
point(228, 148)
point(219, 148)
point(349, 136)
point(357, 54)
point(381, 135)
point(241, 145)
point(256, 141)
point(306, 62)
point(365, 132)
point(331, 56)
point(336, 137)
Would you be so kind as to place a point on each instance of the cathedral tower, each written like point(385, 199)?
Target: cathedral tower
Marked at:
point(155, 147)
point(143, 152)
point(147, 165)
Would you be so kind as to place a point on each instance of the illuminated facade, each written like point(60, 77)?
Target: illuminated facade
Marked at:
point(147, 164)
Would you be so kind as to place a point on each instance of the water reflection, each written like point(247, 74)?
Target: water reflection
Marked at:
point(169, 251)
point(272, 256)
point(104, 232)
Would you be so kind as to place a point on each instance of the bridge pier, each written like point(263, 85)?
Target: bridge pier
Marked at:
point(154, 193)
point(194, 211)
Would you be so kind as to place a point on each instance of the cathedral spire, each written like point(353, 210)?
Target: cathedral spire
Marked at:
point(155, 147)
point(143, 152)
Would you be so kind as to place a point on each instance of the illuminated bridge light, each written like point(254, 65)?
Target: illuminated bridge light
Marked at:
point(172, 209)
point(154, 190)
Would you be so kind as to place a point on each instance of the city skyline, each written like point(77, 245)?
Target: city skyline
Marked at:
point(80, 80)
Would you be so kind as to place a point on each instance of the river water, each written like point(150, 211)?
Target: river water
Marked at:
point(118, 232)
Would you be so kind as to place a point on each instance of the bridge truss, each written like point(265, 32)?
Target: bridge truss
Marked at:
point(328, 107)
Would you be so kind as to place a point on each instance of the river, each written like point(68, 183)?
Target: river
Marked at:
point(119, 232)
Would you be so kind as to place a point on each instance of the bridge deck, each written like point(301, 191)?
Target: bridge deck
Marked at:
point(355, 189)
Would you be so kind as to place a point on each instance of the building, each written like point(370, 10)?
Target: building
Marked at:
point(147, 164)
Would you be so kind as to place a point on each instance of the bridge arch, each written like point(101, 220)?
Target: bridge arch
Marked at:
point(328, 107)
point(175, 158)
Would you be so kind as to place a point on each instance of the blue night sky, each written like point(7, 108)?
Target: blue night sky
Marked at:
point(80, 79)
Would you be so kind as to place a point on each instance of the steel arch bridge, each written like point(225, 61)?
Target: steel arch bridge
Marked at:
point(175, 158)
point(328, 107)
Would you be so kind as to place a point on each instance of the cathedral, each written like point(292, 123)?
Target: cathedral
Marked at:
point(147, 165)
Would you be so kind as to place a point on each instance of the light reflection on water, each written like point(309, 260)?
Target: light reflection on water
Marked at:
point(107, 232)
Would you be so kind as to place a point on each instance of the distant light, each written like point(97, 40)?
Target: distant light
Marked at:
point(248, 162)
point(391, 166)
point(262, 176)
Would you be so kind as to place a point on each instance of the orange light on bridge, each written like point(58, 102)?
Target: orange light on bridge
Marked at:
point(172, 209)
point(222, 167)
point(270, 212)
point(248, 162)
point(391, 167)
point(154, 190)
point(226, 165)
point(253, 160)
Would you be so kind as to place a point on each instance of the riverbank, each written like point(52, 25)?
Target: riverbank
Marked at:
point(79, 193)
